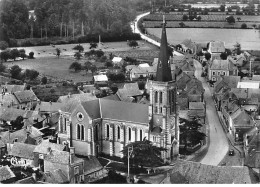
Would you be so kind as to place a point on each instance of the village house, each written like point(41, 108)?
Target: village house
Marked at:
point(134, 72)
point(215, 49)
point(188, 68)
point(219, 68)
point(55, 177)
point(22, 154)
point(67, 162)
point(10, 89)
point(188, 46)
point(93, 170)
point(117, 61)
point(197, 110)
point(130, 92)
point(42, 150)
point(6, 175)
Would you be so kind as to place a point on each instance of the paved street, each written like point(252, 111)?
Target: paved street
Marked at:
point(218, 144)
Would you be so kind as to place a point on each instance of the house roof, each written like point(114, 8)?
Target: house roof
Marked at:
point(217, 47)
point(28, 180)
point(56, 156)
point(144, 65)
point(197, 173)
point(222, 65)
point(21, 136)
point(23, 150)
point(92, 108)
point(48, 106)
point(44, 145)
point(256, 78)
point(13, 88)
point(100, 78)
point(241, 119)
point(227, 81)
point(9, 114)
point(114, 97)
point(252, 159)
point(25, 96)
point(188, 43)
point(253, 85)
point(56, 177)
point(196, 106)
point(6, 173)
point(188, 66)
point(8, 100)
point(91, 164)
point(194, 83)
point(77, 97)
point(117, 59)
point(129, 90)
point(182, 80)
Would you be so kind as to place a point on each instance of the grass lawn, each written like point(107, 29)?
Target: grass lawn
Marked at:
point(53, 67)
point(48, 64)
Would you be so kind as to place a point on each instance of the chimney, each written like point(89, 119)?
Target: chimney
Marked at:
point(72, 154)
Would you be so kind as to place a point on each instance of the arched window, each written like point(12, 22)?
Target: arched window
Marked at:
point(118, 132)
point(82, 132)
point(156, 97)
point(129, 133)
point(78, 132)
point(160, 98)
point(107, 131)
point(141, 135)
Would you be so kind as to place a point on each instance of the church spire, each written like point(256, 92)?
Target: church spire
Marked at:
point(164, 68)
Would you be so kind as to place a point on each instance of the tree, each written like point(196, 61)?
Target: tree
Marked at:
point(182, 24)
point(14, 53)
point(5, 55)
point(31, 55)
point(31, 74)
point(22, 53)
point(76, 66)
point(223, 56)
point(254, 26)
point(3, 45)
point(93, 45)
point(58, 52)
point(17, 124)
point(222, 8)
point(199, 18)
point(2, 67)
point(230, 19)
point(77, 55)
point(44, 80)
point(79, 47)
point(189, 132)
point(244, 26)
point(93, 69)
point(144, 153)
point(207, 56)
point(238, 18)
point(15, 72)
point(87, 66)
point(132, 43)
point(185, 17)
point(108, 64)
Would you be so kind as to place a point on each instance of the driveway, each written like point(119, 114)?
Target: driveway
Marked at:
point(218, 143)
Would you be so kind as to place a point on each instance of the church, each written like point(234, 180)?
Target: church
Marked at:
point(106, 126)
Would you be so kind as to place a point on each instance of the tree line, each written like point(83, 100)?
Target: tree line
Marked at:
point(64, 18)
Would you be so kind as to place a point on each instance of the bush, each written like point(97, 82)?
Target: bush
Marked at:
point(14, 53)
point(103, 58)
point(244, 26)
point(79, 47)
point(3, 45)
point(44, 80)
point(5, 55)
point(2, 67)
point(31, 55)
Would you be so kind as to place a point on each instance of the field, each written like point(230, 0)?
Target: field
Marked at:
point(198, 24)
point(47, 63)
point(66, 50)
point(248, 38)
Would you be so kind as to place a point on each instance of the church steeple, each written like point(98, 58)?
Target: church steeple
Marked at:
point(164, 68)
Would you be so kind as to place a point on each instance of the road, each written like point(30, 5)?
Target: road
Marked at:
point(218, 143)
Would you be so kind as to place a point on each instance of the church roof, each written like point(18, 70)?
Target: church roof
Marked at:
point(117, 110)
point(163, 68)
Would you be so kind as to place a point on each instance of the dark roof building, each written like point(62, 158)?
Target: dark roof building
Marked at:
point(6, 174)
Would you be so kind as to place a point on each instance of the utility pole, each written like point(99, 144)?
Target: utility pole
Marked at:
point(129, 153)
